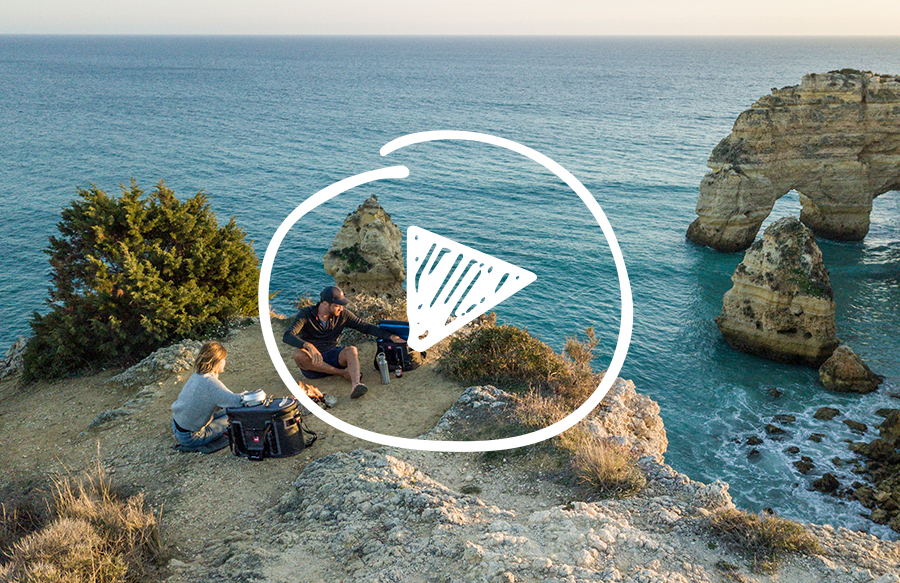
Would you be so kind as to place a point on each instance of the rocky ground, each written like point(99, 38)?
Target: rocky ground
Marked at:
point(345, 510)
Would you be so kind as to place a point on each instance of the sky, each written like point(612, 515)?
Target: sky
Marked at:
point(454, 17)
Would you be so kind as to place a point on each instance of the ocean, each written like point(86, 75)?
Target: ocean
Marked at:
point(262, 123)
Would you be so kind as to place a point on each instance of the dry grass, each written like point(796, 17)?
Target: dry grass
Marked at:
point(93, 536)
point(764, 539)
point(608, 467)
point(549, 387)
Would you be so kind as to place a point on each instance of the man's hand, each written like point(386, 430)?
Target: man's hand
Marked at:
point(397, 340)
point(314, 354)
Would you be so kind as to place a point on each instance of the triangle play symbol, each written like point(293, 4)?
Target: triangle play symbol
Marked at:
point(449, 285)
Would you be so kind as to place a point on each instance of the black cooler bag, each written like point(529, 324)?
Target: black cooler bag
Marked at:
point(397, 355)
point(272, 429)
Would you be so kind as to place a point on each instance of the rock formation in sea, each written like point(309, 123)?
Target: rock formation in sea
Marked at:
point(366, 254)
point(845, 371)
point(835, 139)
point(781, 305)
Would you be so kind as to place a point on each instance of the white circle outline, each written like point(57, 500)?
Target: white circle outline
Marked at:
point(329, 192)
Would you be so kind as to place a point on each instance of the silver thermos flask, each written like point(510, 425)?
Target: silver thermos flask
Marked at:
point(383, 369)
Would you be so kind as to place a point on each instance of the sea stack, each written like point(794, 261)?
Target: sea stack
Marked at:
point(366, 254)
point(835, 139)
point(845, 372)
point(781, 306)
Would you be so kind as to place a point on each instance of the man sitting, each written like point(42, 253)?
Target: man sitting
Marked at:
point(315, 331)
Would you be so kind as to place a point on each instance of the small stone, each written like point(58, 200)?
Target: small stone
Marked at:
point(753, 440)
point(793, 450)
point(784, 418)
point(816, 437)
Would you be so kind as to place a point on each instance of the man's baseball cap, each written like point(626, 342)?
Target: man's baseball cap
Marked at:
point(334, 295)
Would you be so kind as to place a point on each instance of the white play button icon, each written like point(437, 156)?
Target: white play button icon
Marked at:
point(449, 285)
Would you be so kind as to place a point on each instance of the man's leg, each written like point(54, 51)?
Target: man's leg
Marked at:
point(349, 358)
point(303, 360)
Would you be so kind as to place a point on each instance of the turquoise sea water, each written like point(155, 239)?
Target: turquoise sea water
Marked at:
point(263, 123)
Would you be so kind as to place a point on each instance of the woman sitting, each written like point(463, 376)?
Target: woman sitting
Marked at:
point(195, 420)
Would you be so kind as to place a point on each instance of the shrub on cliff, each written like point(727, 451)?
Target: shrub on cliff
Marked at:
point(91, 534)
point(133, 273)
point(505, 356)
point(766, 540)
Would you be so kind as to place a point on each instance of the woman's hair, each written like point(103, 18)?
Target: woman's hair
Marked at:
point(211, 354)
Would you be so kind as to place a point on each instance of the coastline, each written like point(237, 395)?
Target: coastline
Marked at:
point(513, 523)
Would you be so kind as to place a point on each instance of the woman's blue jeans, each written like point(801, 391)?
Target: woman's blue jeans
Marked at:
point(211, 432)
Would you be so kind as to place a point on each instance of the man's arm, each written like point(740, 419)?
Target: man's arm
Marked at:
point(292, 333)
point(352, 321)
point(292, 337)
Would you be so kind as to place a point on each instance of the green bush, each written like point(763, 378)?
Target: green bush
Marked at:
point(505, 356)
point(133, 273)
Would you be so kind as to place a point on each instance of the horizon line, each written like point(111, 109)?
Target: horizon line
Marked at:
point(439, 35)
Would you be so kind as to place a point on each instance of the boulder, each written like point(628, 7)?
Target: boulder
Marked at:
point(827, 484)
point(366, 254)
point(845, 372)
point(856, 425)
point(889, 430)
point(835, 139)
point(804, 465)
point(826, 413)
point(781, 306)
point(13, 362)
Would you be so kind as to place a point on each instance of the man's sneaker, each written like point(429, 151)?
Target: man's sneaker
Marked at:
point(358, 391)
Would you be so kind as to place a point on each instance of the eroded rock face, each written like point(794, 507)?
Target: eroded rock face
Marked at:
point(835, 139)
point(781, 305)
point(844, 371)
point(366, 255)
point(632, 418)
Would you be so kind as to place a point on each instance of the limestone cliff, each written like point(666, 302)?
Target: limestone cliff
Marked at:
point(781, 305)
point(366, 255)
point(632, 418)
point(835, 139)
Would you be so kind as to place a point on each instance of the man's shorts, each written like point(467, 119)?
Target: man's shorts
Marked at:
point(330, 356)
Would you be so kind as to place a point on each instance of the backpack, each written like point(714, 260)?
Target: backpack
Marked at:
point(270, 429)
point(397, 355)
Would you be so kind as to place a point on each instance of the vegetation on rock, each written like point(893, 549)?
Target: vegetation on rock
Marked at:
point(766, 539)
point(133, 273)
point(88, 533)
point(550, 385)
